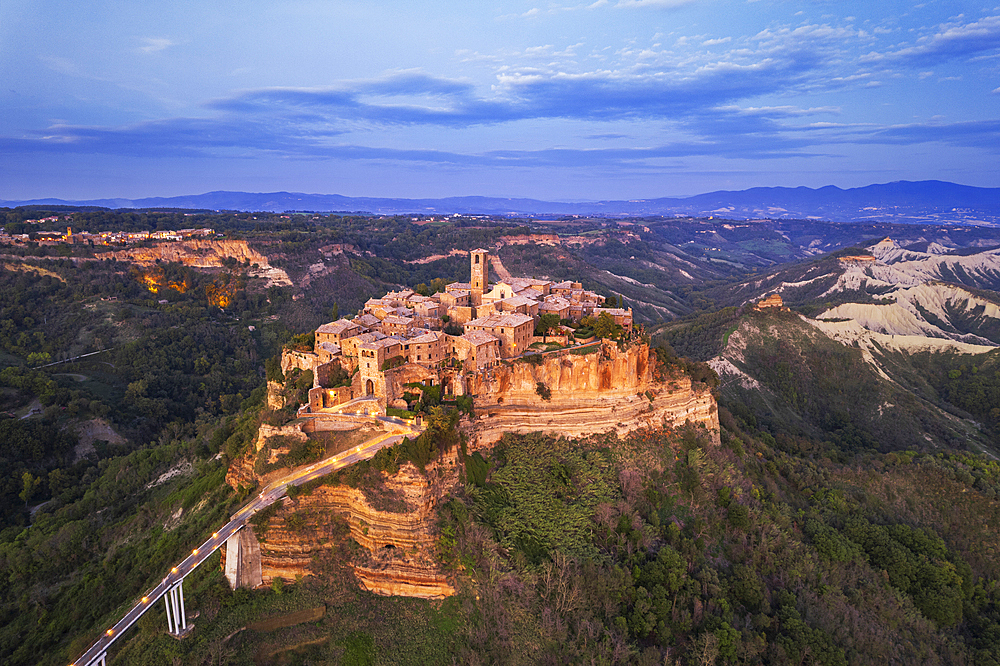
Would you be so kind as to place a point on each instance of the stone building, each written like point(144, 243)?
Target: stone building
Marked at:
point(622, 316)
point(513, 330)
point(372, 363)
point(477, 350)
point(771, 302)
point(337, 331)
point(394, 325)
point(426, 349)
point(398, 339)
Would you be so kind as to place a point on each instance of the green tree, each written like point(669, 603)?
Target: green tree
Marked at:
point(605, 327)
point(546, 324)
point(29, 483)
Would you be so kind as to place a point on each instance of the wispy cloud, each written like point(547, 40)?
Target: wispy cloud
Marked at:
point(950, 41)
point(983, 134)
point(658, 4)
point(155, 44)
point(707, 101)
point(753, 133)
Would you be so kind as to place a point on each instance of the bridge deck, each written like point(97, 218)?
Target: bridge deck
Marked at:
point(271, 493)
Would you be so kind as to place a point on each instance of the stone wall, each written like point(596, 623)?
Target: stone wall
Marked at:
point(323, 371)
point(298, 359)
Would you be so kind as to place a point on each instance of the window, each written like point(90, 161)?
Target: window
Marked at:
point(477, 258)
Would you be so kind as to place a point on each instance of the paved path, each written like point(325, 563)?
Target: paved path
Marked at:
point(270, 494)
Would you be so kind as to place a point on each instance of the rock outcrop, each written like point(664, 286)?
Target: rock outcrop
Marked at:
point(606, 389)
point(202, 254)
point(597, 389)
point(241, 472)
point(194, 253)
point(399, 545)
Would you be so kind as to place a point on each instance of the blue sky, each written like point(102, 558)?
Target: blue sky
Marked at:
point(605, 99)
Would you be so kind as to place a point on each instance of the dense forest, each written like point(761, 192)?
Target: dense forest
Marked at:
point(812, 535)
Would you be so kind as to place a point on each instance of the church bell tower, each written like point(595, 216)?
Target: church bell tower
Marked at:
point(480, 275)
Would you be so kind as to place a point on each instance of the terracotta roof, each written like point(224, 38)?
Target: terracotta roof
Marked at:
point(479, 337)
point(380, 344)
point(501, 321)
point(336, 327)
point(429, 337)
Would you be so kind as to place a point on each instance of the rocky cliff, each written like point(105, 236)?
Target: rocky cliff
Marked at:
point(606, 389)
point(194, 253)
point(202, 254)
point(241, 473)
point(602, 389)
point(399, 546)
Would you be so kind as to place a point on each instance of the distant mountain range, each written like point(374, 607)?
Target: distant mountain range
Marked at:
point(924, 202)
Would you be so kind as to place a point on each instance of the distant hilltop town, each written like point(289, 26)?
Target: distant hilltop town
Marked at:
point(101, 237)
point(450, 339)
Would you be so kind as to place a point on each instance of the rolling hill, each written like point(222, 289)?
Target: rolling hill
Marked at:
point(924, 202)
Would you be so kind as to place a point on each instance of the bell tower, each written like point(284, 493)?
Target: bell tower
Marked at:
point(480, 282)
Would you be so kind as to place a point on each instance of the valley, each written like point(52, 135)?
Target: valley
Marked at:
point(742, 479)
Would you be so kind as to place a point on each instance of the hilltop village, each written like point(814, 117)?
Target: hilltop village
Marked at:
point(454, 339)
point(478, 340)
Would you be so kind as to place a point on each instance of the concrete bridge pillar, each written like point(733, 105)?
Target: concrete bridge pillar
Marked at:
point(233, 559)
point(243, 560)
point(176, 617)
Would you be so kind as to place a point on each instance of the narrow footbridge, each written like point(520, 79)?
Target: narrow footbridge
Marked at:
point(171, 588)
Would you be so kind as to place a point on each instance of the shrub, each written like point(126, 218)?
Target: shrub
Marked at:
point(543, 391)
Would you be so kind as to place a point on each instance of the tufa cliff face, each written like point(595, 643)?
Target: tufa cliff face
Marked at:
point(609, 389)
point(194, 253)
point(203, 254)
point(241, 473)
point(398, 547)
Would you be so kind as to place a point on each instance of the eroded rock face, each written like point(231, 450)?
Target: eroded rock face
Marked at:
point(400, 545)
point(609, 389)
point(200, 253)
point(275, 400)
point(194, 253)
point(241, 473)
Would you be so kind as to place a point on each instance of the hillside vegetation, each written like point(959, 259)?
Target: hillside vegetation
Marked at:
point(849, 516)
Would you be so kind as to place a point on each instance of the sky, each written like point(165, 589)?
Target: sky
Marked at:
point(605, 99)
